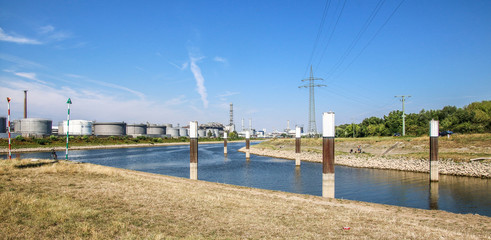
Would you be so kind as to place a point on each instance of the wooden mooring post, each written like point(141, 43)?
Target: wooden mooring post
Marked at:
point(434, 151)
point(297, 146)
point(328, 134)
point(248, 144)
point(193, 150)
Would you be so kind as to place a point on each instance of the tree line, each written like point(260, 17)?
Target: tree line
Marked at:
point(473, 118)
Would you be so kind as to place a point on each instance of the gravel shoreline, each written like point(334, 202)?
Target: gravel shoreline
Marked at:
point(470, 169)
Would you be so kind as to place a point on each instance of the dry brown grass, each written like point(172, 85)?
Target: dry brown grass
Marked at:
point(42, 200)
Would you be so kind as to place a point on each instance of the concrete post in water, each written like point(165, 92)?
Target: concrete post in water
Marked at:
point(248, 150)
point(434, 151)
point(434, 196)
point(193, 150)
point(225, 143)
point(328, 134)
point(297, 146)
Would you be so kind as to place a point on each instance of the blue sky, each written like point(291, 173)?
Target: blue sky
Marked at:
point(178, 61)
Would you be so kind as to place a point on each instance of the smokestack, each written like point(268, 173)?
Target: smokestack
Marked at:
point(250, 124)
point(25, 103)
point(231, 114)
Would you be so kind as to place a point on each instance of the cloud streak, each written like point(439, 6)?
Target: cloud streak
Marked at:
point(200, 81)
point(20, 40)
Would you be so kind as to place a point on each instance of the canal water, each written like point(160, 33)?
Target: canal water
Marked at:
point(453, 194)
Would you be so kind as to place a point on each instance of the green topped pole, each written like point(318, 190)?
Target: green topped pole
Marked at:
point(69, 101)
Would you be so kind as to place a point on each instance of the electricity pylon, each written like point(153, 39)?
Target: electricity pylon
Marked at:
point(311, 85)
point(403, 113)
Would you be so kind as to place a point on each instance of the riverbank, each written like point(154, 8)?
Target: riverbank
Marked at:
point(45, 200)
point(109, 146)
point(469, 169)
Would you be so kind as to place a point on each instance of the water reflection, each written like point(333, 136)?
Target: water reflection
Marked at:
point(434, 195)
point(451, 193)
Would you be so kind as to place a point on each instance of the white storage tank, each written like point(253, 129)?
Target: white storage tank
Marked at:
point(216, 132)
point(173, 132)
point(77, 128)
point(155, 129)
point(109, 128)
point(136, 129)
point(36, 127)
point(183, 132)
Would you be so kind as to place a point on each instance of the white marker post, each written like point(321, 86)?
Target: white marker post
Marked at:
point(225, 143)
point(248, 150)
point(328, 134)
point(297, 146)
point(193, 150)
point(434, 151)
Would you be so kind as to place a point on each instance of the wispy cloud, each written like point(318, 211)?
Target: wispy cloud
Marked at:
point(200, 80)
point(223, 97)
point(220, 59)
point(182, 67)
point(30, 76)
point(16, 39)
point(52, 34)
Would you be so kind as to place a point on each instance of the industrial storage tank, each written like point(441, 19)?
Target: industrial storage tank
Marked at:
point(33, 127)
point(109, 128)
point(3, 124)
point(168, 125)
point(155, 129)
point(173, 132)
point(201, 133)
point(136, 129)
point(183, 132)
point(77, 128)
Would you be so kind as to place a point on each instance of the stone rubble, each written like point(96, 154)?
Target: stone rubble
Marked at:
point(448, 167)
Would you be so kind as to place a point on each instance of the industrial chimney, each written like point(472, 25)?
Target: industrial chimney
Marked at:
point(25, 103)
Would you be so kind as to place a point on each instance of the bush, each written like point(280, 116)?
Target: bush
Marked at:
point(54, 138)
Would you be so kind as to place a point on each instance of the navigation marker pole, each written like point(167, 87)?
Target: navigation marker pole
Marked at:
point(248, 150)
point(69, 101)
point(193, 150)
point(225, 143)
point(297, 146)
point(328, 134)
point(434, 151)
point(10, 147)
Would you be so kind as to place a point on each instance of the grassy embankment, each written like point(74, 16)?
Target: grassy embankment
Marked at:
point(42, 200)
point(457, 148)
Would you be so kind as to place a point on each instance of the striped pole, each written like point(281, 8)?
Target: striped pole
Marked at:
point(434, 150)
point(297, 146)
point(69, 101)
point(328, 133)
point(10, 147)
point(193, 150)
point(248, 144)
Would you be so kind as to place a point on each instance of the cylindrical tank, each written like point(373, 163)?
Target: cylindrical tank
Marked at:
point(154, 129)
point(109, 128)
point(183, 132)
point(136, 129)
point(173, 132)
point(3, 124)
point(167, 125)
point(77, 128)
point(201, 133)
point(33, 127)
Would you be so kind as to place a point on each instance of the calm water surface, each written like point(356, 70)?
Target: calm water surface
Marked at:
point(453, 194)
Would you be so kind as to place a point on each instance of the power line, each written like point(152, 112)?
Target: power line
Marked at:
point(358, 37)
point(319, 33)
